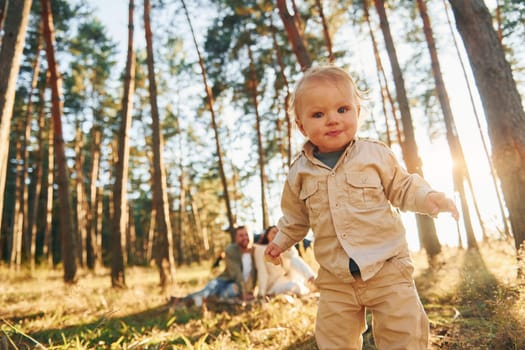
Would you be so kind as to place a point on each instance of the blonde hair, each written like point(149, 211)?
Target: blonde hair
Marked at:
point(327, 72)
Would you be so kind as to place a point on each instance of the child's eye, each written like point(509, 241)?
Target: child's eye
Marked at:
point(317, 115)
point(343, 110)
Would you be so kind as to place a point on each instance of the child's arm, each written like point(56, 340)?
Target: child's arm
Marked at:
point(272, 253)
point(437, 202)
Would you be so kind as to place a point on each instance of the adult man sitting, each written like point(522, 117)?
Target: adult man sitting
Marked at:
point(238, 278)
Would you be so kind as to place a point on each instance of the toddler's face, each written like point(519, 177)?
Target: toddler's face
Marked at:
point(327, 113)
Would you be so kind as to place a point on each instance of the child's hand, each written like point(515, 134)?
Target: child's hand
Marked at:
point(436, 202)
point(272, 254)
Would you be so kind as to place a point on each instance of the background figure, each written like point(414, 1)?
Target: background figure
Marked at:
point(238, 278)
point(292, 276)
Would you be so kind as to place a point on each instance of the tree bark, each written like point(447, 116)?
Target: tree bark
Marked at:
point(459, 165)
point(426, 228)
point(164, 252)
point(50, 182)
point(65, 227)
point(95, 254)
point(36, 212)
point(282, 73)
point(481, 134)
point(120, 218)
point(502, 105)
point(210, 99)
point(28, 222)
point(326, 31)
point(16, 19)
point(383, 82)
point(253, 83)
point(3, 10)
point(81, 231)
point(294, 35)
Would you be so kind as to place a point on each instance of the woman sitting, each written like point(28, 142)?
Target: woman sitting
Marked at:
point(292, 275)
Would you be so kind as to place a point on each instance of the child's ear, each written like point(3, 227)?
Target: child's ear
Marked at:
point(300, 126)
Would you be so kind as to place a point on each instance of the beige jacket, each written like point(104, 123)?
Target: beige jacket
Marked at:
point(350, 208)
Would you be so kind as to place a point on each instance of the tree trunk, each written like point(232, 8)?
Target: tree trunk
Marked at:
point(120, 218)
point(3, 10)
point(81, 232)
point(253, 83)
point(383, 82)
point(459, 165)
point(210, 99)
point(50, 182)
point(326, 31)
point(28, 217)
point(481, 134)
point(182, 212)
point(199, 227)
point(99, 223)
point(426, 227)
point(18, 216)
point(17, 16)
point(282, 73)
point(65, 227)
point(291, 25)
point(164, 252)
point(131, 238)
point(35, 213)
point(94, 254)
point(501, 102)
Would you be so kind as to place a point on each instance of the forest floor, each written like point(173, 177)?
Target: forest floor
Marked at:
point(473, 301)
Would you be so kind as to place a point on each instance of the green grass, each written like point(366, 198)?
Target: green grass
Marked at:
point(474, 301)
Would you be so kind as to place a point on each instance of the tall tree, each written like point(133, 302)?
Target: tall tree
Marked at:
point(286, 86)
point(326, 30)
point(94, 250)
point(253, 83)
point(383, 82)
point(426, 227)
point(502, 105)
point(17, 16)
point(164, 252)
point(119, 224)
point(292, 24)
point(480, 129)
point(55, 82)
point(36, 211)
point(3, 10)
point(30, 240)
point(459, 168)
point(80, 191)
point(218, 147)
point(47, 250)
point(88, 98)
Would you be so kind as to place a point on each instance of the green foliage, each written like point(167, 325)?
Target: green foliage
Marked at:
point(513, 17)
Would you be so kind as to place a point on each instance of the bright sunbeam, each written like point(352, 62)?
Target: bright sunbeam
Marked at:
point(437, 168)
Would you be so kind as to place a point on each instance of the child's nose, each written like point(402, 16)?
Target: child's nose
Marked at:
point(332, 117)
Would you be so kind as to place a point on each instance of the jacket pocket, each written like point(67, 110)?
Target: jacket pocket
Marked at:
point(365, 190)
point(314, 194)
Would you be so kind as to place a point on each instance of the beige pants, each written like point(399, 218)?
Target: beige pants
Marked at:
point(398, 318)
